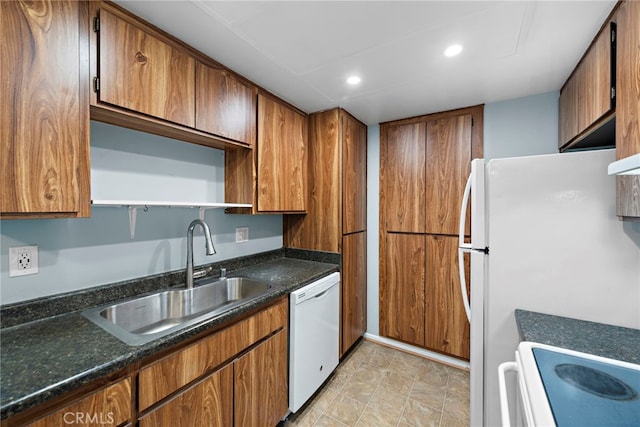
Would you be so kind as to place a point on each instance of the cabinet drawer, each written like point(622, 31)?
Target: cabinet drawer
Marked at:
point(167, 375)
point(110, 406)
point(214, 397)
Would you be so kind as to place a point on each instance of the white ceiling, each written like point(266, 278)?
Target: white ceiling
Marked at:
point(303, 51)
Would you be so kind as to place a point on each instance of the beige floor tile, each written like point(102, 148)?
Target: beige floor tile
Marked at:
point(420, 415)
point(359, 390)
point(397, 382)
point(376, 418)
point(326, 421)
point(456, 407)
point(345, 409)
point(429, 394)
point(449, 421)
point(433, 373)
point(306, 418)
point(323, 399)
point(369, 374)
point(388, 402)
point(338, 380)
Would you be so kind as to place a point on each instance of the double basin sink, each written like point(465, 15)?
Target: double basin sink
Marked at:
point(143, 319)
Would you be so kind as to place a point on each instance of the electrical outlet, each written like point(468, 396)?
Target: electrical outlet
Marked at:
point(242, 234)
point(23, 260)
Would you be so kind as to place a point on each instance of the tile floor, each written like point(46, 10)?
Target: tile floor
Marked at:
point(377, 386)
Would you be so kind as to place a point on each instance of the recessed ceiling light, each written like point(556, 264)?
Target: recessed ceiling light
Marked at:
point(353, 80)
point(453, 50)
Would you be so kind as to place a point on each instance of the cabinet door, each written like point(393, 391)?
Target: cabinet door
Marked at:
point(448, 167)
point(402, 178)
point(354, 172)
point(207, 403)
point(142, 73)
point(595, 84)
point(282, 157)
point(44, 122)
point(354, 289)
point(261, 396)
point(447, 328)
point(628, 81)
point(224, 105)
point(402, 289)
point(110, 406)
point(568, 114)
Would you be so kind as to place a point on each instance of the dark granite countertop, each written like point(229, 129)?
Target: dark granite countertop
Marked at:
point(614, 342)
point(50, 356)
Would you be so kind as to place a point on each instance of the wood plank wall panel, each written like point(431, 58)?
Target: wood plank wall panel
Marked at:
point(447, 328)
point(44, 118)
point(207, 403)
point(403, 178)
point(142, 73)
point(402, 290)
point(448, 166)
point(354, 149)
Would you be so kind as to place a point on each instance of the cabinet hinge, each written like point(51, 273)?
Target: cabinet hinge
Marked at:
point(96, 84)
point(96, 24)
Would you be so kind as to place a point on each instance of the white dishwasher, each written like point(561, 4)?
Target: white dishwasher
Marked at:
point(314, 337)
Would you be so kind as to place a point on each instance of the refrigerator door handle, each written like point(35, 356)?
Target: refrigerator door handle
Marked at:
point(464, 247)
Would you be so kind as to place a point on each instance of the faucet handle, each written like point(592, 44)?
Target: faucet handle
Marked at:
point(223, 273)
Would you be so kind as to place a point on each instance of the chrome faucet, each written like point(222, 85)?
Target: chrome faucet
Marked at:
point(208, 244)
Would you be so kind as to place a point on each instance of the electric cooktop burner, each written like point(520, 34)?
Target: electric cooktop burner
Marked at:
point(594, 381)
point(584, 392)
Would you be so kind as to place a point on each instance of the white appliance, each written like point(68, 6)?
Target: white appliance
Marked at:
point(545, 238)
point(314, 337)
point(557, 387)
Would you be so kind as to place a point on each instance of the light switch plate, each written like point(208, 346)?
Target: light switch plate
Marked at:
point(242, 234)
point(23, 260)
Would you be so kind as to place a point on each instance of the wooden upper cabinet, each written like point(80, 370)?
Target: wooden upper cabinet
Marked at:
point(354, 172)
point(628, 80)
point(140, 72)
point(44, 122)
point(448, 166)
point(225, 106)
point(586, 97)
point(282, 157)
point(403, 178)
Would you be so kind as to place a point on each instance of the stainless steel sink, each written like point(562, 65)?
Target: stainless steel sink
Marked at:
point(143, 319)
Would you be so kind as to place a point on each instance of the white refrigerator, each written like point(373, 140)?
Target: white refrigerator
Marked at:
point(545, 238)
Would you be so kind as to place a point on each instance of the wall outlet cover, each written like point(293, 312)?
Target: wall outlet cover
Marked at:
point(23, 260)
point(242, 234)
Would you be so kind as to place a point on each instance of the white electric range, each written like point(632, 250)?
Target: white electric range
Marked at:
point(566, 388)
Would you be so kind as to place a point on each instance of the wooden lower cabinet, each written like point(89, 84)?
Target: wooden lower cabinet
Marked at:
point(402, 288)
point(208, 403)
point(261, 396)
point(110, 406)
point(446, 325)
point(354, 289)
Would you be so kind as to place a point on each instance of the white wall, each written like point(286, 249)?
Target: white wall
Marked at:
point(81, 253)
point(518, 127)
